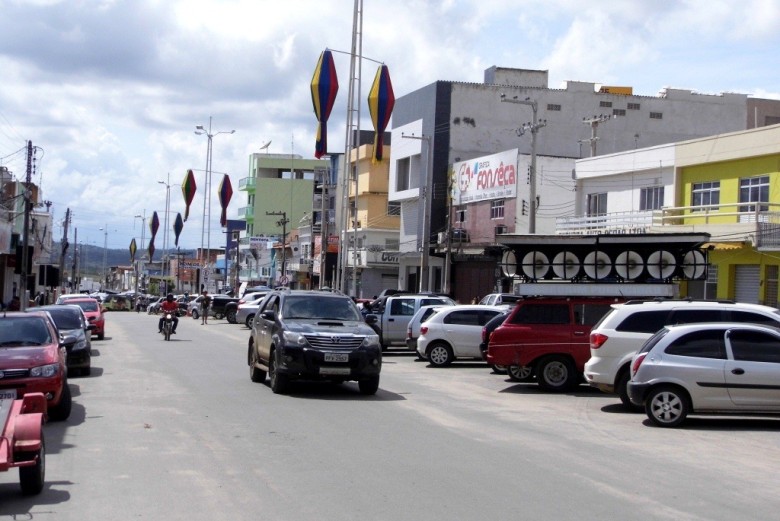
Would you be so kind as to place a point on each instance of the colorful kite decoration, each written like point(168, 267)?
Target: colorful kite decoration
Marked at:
point(154, 225)
point(380, 104)
point(133, 249)
point(151, 249)
point(188, 188)
point(324, 86)
point(178, 226)
point(225, 193)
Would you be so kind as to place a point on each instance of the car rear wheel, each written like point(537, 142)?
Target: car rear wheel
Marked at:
point(255, 374)
point(280, 383)
point(556, 374)
point(231, 316)
point(440, 354)
point(667, 406)
point(370, 386)
point(519, 373)
point(32, 478)
point(249, 320)
point(499, 369)
point(622, 390)
point(195, 314)
point(61, 411)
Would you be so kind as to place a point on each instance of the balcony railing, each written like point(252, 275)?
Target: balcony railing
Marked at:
point(247, 212)
point(758, 223)
point(247, 184)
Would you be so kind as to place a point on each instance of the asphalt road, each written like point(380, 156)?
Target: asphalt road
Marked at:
point(177, 431)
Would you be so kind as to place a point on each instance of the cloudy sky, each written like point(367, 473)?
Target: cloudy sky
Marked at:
point(111, 90)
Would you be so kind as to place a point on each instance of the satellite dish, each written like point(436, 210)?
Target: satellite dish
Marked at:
point(597, 265)
point(566, 265)
point(265, 147)
point(509, 264)
point(629, 265)
point(535, 265)
point(694, 264)
point(661, 264)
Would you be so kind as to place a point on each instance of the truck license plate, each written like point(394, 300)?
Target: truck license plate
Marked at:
point(7, 394)
point(336, 357)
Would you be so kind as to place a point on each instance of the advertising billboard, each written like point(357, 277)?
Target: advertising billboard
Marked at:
point(485, 178)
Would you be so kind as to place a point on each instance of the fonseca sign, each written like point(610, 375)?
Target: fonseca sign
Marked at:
point(485, 178)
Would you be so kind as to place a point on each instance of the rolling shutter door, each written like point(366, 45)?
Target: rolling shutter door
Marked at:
point(747, 283)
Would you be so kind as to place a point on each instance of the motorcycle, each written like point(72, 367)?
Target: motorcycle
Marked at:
point(167, 326)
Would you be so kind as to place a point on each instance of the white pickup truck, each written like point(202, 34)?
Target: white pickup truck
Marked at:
point(398, 310)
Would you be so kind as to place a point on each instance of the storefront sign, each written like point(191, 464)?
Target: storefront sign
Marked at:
point(486, 178)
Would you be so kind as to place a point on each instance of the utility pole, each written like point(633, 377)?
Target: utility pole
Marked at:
point(425, 199)
point(283, 223)
point(25, 297)
point(76, 253)
point(532, 127)
point(64, 247)
point(594, 125)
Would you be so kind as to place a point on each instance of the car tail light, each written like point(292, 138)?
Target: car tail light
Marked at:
point(637, 362)
point(484, 334)
point(423, 330)
point(597, 340)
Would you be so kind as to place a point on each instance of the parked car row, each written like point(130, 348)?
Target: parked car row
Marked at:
point(669, 358)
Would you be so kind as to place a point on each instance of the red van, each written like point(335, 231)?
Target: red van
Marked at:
point(550, 337)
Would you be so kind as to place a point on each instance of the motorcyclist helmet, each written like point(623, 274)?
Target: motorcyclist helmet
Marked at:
point(169, 297)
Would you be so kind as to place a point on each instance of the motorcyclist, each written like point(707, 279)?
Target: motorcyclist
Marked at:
point(169, 305)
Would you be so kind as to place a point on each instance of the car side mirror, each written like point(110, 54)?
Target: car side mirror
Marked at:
point(68, 340)
point(268, 314)
point(371, 319)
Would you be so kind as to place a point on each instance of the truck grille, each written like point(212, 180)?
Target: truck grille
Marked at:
point(334, 341)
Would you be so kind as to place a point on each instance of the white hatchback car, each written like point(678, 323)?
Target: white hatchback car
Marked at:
point(413, 329)
point(454, 332)
point(711, 368)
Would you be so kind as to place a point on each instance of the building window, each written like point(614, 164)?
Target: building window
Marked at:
point(460, 216)
point(393, 208)
point(606, 104)
point(619, 112)
point(633, 106)
point(403, 174)
point(553, 107)
point(500, 229)
point(597, 204)
point(392, 244)
point(754, 190)
point(497, 209)
point(705, 194)
point(651, 198)
point(656, 115)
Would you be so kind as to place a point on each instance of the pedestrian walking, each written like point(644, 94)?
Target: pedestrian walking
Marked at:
point(205, 304)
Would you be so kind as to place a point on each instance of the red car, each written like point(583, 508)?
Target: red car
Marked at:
point(549, 337)
point(94, 312)
point(33, 360)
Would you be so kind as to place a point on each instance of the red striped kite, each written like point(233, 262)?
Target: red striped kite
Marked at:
point(380, 104)
point(324, 86)
point(225, 193)
point(188, 188)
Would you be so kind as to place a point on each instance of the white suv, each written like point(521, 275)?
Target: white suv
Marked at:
point(623, 330)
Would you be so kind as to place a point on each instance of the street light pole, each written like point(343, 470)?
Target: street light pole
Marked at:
point(165, 220)
point(138, 262)
point(105, 256)
point(532, 127)
point(206, 230)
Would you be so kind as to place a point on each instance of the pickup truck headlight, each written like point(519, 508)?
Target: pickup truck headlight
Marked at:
point(371, 341)
point(295, 339)
point(46, 371)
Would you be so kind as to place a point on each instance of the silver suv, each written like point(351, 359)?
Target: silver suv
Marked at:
point(623, 330)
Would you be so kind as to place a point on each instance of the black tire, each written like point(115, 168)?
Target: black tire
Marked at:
point(499, 369)
point(195, 314)
point(667, 405)
point(219, 316)
point(280, 383)
point(440, 354)
point(621, 388)
point(231, 316)
point(32, 478)
point(369, 386)
point(556, 374)
point(255, 374)
point(249, 320)
point(520, 373)
point(101, 336)
point(86, 371)
point(167, 333)
point(61, 411)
